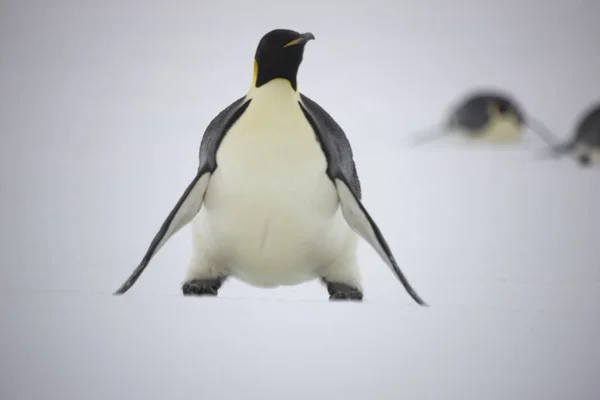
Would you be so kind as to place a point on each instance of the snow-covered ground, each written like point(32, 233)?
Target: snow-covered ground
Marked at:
point(90, 346)
point(102, 109)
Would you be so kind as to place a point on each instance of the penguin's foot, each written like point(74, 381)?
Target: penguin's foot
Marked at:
point(202, 287)
point(584, 160)
point(342, 291)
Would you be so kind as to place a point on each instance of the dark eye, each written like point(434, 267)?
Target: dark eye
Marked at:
point(503, 107)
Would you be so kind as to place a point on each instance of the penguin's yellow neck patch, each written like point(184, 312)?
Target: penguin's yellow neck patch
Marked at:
point(255, 75)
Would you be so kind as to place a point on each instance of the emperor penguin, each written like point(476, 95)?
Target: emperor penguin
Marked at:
point(490, 116)
point(276, 199)
point(584, 144)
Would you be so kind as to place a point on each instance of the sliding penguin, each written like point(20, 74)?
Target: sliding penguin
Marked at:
point(276, 199)
point(488, 116)
point(585, 143)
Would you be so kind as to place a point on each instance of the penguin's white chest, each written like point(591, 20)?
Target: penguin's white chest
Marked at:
point(271, 211)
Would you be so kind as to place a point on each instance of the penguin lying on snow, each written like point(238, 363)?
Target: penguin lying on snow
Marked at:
point(488, 116)
point(276, 199)
point(585, 143)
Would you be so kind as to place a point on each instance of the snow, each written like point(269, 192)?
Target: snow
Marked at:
point(102, 109)
point(71, 345)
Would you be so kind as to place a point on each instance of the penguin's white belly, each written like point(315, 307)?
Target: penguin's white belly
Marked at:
point(271, 215)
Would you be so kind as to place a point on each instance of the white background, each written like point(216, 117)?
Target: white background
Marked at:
point(102, 109)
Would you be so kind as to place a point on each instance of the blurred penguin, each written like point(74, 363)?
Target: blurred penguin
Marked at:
point(584, 145)
point(489, 116)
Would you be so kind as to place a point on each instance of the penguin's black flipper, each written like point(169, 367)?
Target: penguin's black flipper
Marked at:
point(558, 150)
point(361, 222)
point(431, 134)
point(184, 211)
point(191, 201)
point(341, 169)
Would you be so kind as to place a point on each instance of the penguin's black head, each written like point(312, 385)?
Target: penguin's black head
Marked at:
point(278, 55)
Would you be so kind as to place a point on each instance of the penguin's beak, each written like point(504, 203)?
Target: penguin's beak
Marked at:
point(303, 38)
